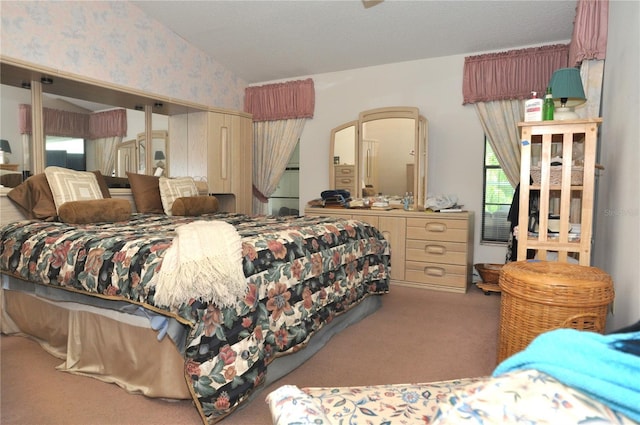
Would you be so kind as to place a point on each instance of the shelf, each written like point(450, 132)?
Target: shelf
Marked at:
point(566, 192)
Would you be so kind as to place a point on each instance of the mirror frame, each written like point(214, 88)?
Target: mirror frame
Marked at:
point(333, 183)
point(420, 148)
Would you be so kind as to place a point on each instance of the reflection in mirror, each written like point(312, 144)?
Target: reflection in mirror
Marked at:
point(12, 167)
point(22, 86)
point(342, 168)
point(384, 142)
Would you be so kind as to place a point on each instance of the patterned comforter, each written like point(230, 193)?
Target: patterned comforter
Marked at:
point(301, 272)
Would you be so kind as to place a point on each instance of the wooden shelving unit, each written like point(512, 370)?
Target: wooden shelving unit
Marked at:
point(566, 191)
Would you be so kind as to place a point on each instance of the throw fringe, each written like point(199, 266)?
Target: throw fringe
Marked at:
point(204, 262)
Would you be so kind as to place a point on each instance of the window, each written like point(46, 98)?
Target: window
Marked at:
point(496, 201)
point(67, 152)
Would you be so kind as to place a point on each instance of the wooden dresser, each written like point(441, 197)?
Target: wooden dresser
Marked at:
point(428, 250)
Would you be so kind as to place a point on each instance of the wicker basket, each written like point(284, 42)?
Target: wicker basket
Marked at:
point(540, 296)
point(555, 175)
point(489, 272)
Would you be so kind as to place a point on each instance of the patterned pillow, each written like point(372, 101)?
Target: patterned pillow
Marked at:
point(70, 185)
point(172, 189)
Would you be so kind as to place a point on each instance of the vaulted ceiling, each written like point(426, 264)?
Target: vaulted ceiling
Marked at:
point(269, 40)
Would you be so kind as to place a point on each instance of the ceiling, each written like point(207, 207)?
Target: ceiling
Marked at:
point(269, 40)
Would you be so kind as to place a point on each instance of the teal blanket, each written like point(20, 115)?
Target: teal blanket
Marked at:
point(606, 367)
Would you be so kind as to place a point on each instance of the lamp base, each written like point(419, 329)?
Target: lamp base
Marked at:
point(563, 114)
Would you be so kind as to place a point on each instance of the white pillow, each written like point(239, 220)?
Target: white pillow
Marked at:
point(70, 185)
point(172, 189)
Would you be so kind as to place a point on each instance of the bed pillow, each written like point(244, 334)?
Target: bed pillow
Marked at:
point(146, 193)
point(71, 185)
point(172, 189)
point(34, 198)
point(102, 184)
point(109, 210)
point(11, 179)
point(195, 205)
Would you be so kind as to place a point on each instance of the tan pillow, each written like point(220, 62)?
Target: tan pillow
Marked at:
point(34, 198)
point(71, 185)
point(109, 210)
point(102, 184)
point(195, 205)
point(146, 193)
point(172, 189)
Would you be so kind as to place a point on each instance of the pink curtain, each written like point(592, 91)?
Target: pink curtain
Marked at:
point(589, 40)
point(513, 74)
point(75, 124)
point(280, 101)
point(108, 124)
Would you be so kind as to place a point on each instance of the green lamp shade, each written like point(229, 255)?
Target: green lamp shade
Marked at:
point(5, 146)
point(566, 87)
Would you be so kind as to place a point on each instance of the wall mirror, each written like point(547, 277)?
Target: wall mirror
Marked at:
point(383, 153)
point(145, 114)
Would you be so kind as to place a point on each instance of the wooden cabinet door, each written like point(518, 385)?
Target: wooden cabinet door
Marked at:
point(230, 159)
point(394, 230)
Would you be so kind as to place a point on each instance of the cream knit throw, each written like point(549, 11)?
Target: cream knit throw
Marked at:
point(204, 262)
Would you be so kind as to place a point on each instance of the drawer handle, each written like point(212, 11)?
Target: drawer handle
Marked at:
point(436, 227)
point(434, 271)
point(435, 249)
point(345, 171)
point(346, 180)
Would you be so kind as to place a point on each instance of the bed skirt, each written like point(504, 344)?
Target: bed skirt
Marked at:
point(123, 348)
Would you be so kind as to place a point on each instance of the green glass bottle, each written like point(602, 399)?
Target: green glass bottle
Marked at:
point(548, 106)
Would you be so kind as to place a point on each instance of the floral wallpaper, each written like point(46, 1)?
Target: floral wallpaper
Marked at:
point(116, 42)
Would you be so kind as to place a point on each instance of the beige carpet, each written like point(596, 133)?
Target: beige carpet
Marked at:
point(417, 336)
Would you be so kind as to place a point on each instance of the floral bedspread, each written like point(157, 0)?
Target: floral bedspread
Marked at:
point(301, 273)
point(527, 397)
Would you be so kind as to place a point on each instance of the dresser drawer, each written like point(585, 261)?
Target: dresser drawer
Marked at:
point(437, 274)
point(436, 229)
point(437, 251)
point(345, 182)
point(345, 171)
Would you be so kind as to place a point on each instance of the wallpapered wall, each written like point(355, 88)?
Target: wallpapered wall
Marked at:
point(117, 43)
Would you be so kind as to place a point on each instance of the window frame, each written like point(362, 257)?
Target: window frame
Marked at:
point(501, 230)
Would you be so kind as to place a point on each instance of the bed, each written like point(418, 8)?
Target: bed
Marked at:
point(305, 278)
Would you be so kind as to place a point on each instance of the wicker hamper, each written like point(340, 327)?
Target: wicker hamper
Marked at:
point(538, 296)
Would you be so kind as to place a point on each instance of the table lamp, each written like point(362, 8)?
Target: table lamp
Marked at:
point(5, 150)
point(567, 91)
point(159, 156)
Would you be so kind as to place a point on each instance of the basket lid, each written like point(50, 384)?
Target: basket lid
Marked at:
point(557, 283)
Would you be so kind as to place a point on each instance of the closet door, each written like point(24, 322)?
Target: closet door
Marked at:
point(230, 157)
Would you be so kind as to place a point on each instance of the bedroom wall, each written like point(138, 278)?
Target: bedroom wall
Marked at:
point(117, 43)
point(617, 237)
point(456, 138)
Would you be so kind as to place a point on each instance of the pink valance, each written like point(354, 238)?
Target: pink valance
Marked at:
point(108, 124)
point(589, 40)
point(513, 74)
point(75, 124)
point(281, 101)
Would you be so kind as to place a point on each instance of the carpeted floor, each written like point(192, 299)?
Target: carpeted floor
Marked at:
point(417, 336)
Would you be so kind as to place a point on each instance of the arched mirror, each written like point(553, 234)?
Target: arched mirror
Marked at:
point(391, 155)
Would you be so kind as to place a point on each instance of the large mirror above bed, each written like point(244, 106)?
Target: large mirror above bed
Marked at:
point(39, 89)
point(382, 154)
